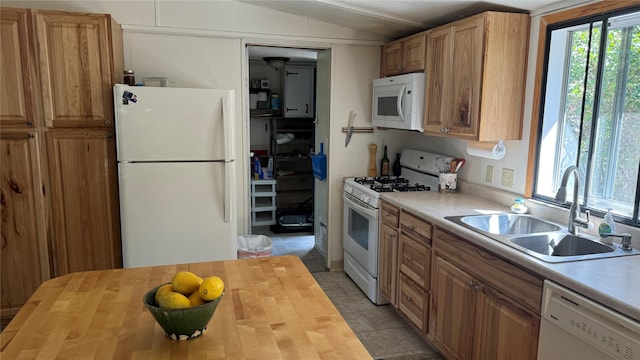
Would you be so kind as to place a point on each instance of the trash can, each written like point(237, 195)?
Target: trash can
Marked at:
point(254, 246)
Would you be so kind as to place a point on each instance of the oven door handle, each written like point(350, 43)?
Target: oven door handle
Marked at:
point(370, 212)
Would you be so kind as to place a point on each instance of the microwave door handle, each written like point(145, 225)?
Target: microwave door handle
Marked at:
point(399, 102)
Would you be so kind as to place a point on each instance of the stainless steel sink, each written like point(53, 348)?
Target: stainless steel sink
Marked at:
point(561, 244)
point(539, 238)
point(508, 224)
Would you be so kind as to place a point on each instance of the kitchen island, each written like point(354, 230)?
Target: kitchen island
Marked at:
point(272, 309)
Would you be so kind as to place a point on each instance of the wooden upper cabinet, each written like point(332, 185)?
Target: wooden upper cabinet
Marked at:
point(438, 79)
point(80, 60)
point(17, 69)
point(84, 200)
point(391, 63)
point(23, 260)
point(476, 77)
point(413, 53)
point(405, 55)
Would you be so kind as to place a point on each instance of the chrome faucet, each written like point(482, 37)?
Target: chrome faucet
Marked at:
point(574, 211)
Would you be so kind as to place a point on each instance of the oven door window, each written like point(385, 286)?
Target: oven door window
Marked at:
point(359, 228)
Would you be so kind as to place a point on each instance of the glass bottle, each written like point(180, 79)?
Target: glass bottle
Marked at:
point(384, 164)
point(397, 169)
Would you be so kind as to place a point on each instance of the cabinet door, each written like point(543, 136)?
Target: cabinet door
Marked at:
point(438, 67)
point(23, 252)
point(17, 70)
point(392, 58)
point(299, 91)
point(388, 266)
point(413, 53)
point(506, 331)
point(84, 193)
point(75, 69)
point(466, 77)
point(453, 310)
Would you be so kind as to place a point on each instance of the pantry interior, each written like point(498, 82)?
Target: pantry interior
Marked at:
point(282, 91)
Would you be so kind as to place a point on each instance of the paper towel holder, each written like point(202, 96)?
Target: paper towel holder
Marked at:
point(489, 150)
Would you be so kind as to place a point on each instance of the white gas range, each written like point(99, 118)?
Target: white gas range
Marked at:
point(419, 172)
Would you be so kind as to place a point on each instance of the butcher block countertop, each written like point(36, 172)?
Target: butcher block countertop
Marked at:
point(272, 309)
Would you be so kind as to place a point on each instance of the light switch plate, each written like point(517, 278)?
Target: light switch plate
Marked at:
point(507, 177)
point(488, 174)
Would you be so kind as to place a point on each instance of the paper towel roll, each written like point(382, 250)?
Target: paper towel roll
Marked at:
point(489, 150)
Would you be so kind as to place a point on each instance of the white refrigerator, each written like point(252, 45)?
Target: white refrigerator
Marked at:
point(175, 151)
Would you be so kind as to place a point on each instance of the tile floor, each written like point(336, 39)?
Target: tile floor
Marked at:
point(381, 330)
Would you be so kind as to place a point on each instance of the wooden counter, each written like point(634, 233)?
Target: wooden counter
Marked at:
point(273, 309)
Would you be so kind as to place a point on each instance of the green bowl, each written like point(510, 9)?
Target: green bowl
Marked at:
point(181, 324)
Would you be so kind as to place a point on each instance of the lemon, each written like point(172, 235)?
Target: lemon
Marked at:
point(173, 300)
point(164, 289)
point(211, 288)
point(186, 282)
point(195, 299)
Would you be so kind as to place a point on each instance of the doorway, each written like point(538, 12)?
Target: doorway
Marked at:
point(282, 133)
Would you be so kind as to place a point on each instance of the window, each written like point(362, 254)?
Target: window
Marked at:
point(589, 113)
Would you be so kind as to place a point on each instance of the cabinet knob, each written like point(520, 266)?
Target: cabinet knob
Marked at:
point(408, 258)
point(107, 122)
point(30, 123)
point(31, 135)
point(109, 135)
point(444, 129)
point(474, 286)
point(409, 299)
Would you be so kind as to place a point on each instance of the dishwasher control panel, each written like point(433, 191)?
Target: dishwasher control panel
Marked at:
point(612, 333)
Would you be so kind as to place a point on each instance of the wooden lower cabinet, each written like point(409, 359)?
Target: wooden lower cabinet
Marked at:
point(84, 200)
point(469, 303)
point(482, 307)
point(388, 263)
point(23, 250)
point(388, 252)
point(453, 310)
point(506, 331)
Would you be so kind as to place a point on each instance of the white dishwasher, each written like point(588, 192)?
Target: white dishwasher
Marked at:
point(575, 327)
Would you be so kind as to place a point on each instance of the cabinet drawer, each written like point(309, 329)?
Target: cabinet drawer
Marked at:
point(521, 286)
point(413, 302)
point(415, 227)
point(390, 215)
point(415, 261)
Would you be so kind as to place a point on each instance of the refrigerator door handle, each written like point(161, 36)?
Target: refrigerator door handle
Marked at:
point(227, 128)
point(228, 204)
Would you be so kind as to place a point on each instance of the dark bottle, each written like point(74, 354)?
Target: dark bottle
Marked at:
point(384, 164)
point(397, 170)
point(129, 78)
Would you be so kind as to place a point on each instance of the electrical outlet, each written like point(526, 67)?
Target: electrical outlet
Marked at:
point(488, 174)
point(507, 177)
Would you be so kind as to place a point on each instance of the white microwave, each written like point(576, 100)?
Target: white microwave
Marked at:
point(398, 101)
